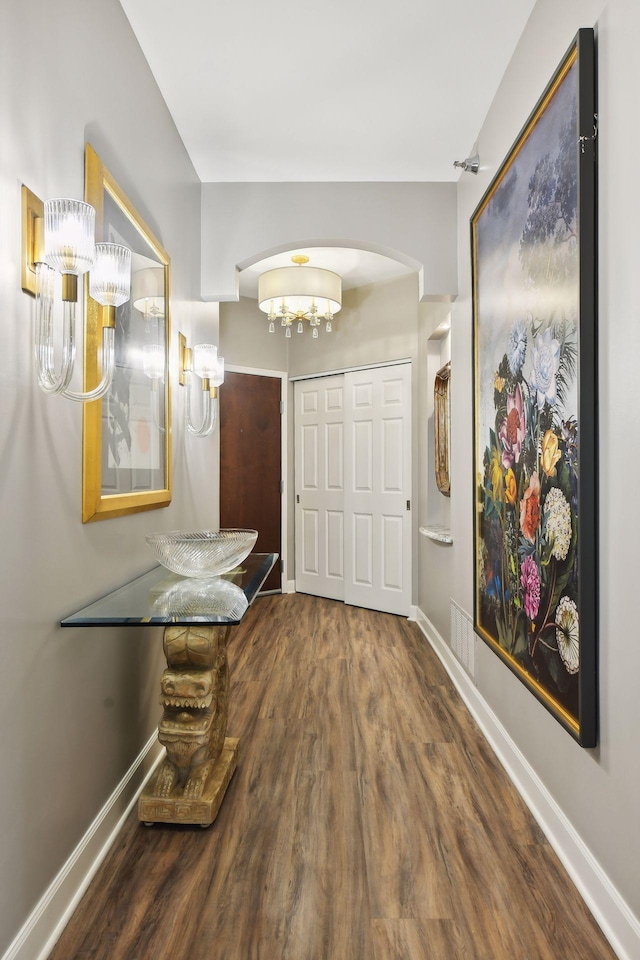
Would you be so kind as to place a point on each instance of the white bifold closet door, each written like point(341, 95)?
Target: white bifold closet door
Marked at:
point(353, 487)
point(319, 465)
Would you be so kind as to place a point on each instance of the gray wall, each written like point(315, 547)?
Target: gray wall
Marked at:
point(77, 705)
point(435, 559)
point(597, 789)
point(243, 223)
point(245, 339)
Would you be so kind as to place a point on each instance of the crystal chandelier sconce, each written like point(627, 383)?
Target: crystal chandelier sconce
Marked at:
point(293, 296)
point(201, 361)
point(59, 247)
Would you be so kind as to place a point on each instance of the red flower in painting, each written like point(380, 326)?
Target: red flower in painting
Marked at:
point(530, 508)
point(512, 431)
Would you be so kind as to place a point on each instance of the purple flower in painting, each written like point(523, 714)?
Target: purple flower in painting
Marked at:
point(517, 347)
point(530, 580)
point(545, 357)
point(513, 429)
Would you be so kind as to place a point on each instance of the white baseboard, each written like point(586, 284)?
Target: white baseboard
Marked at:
point(42, 928)
point(413, 612)
point(616, 919)
point(288, 586)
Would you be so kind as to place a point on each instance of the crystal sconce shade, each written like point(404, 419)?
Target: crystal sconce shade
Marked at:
point(205, 356)
point(69, 230)
point(153, 367)
point(201, 361)
point(58, 241)
point(293, 295)
point(110, 277)
point(153, 360)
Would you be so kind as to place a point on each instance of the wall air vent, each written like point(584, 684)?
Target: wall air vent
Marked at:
point(463, 639)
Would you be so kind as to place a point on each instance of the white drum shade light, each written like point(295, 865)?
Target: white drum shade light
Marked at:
point(147, 291)
point(295, 294)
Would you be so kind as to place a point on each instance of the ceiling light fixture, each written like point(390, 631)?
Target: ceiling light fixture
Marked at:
point(295, 294)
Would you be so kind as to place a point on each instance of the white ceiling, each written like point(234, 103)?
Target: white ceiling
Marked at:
point(277, 90)
point(355, 267)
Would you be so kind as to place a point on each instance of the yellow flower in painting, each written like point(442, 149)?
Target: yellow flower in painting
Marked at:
point(550, 453)
point(511, 486)
point(495, 472)
point(499, 383)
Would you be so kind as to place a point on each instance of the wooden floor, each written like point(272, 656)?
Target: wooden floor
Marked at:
point(367, 820)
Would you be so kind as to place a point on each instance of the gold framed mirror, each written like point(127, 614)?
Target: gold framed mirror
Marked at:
point(441, 416)
point(126, 449)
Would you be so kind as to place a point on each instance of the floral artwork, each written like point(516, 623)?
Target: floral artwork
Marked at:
point(528, 419)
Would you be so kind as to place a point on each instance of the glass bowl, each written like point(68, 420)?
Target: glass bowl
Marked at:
point(202, 598)
point(202, 553)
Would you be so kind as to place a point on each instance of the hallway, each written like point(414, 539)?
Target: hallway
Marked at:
point(368, 820)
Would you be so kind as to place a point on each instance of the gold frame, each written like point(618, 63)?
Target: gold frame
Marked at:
point(95, 504)
point(441, 417)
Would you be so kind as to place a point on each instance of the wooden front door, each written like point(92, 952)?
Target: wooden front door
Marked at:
point(250, 461)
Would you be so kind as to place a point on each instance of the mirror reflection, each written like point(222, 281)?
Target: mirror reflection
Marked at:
point(128, 434)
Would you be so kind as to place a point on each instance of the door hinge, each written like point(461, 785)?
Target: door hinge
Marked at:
point(297, 498)
point(408, 504)
point(282, 486)
point(281, 407)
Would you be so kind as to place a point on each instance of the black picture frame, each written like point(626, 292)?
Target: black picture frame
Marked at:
point(534, 275)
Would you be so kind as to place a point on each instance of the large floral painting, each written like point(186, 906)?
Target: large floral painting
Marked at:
point(535, 401)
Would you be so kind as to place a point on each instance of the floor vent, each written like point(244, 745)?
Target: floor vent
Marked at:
point(463, 639)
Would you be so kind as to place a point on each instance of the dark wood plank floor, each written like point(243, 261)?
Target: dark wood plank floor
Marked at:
point(367, 820)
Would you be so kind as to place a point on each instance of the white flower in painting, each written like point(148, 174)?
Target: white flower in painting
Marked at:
point(517, 347)
point(568, 634)
point(558, 515)
point(545, 357)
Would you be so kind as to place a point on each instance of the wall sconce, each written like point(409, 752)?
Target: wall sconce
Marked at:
point(58, 247)
point(201, 361)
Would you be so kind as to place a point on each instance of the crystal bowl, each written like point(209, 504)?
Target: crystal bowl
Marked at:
point(202, 598)
point(202, 553)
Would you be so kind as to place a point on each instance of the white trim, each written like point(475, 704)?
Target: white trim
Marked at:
point(364, 366)
point(288, 586)
point(616, 919)
point(256, 371)
point(41, 930)
point(413, 612)
point(284, 451)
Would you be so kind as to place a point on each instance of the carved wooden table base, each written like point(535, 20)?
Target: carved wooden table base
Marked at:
point(191, 782)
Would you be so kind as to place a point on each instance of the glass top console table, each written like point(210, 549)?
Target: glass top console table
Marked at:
point(161, 597)
point(197, 615)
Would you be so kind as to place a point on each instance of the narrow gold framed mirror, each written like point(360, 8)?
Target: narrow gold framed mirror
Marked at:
point(441, 416)
point(126, 450)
